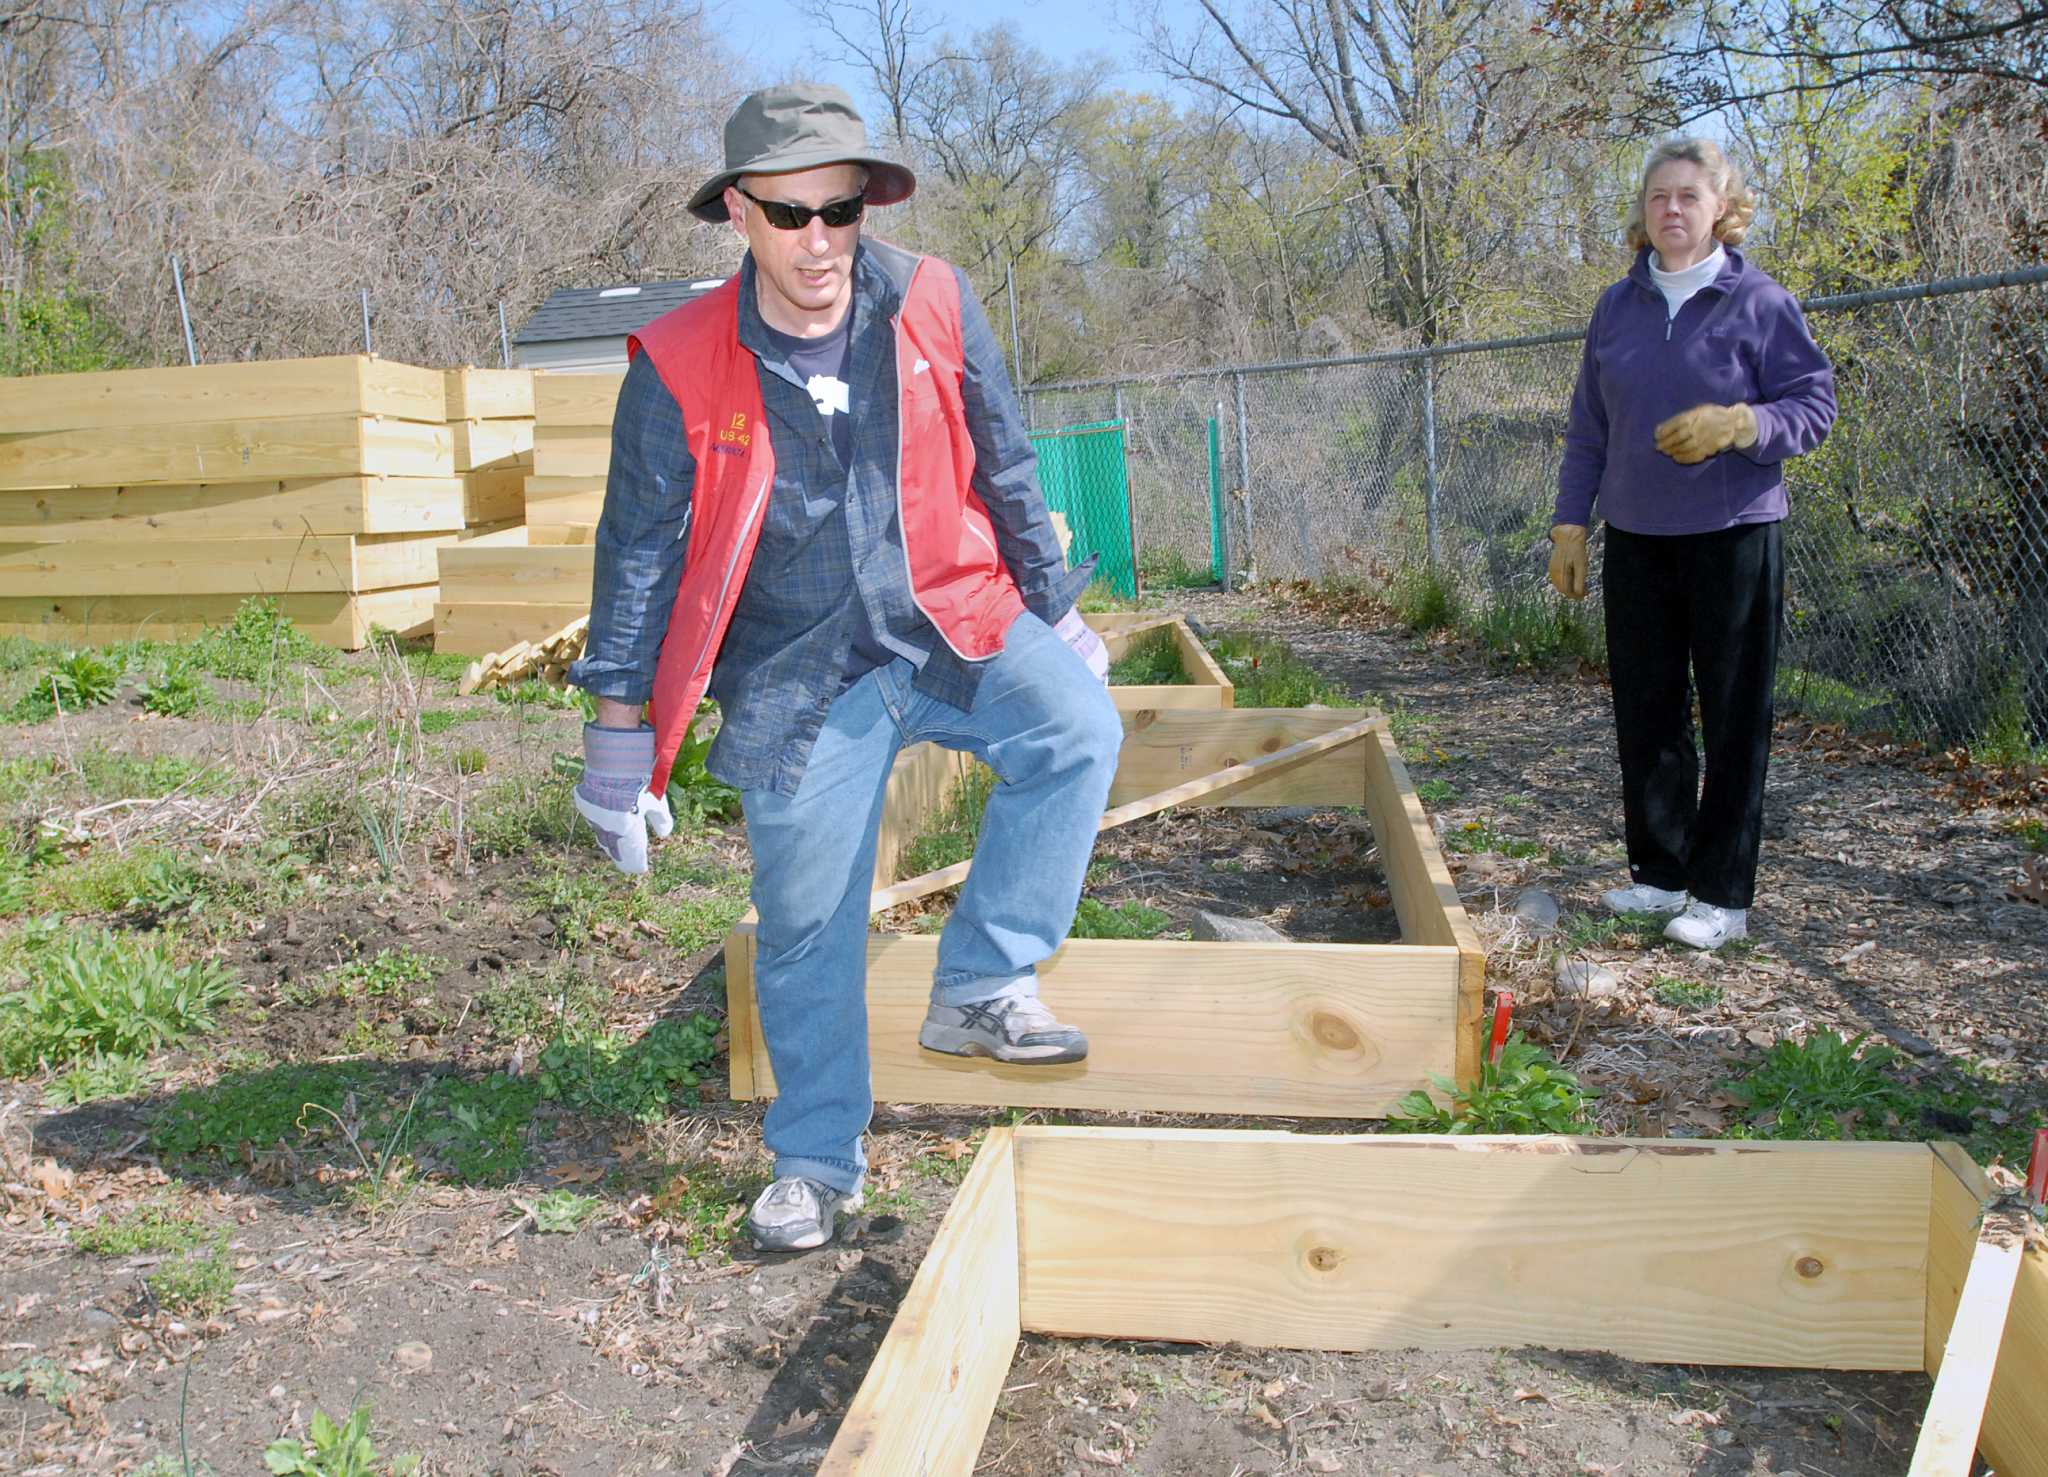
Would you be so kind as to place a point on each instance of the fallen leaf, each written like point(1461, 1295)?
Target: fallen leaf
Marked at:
point(1698, 1419)
point(1531, 1395)
point(1274, 1389)
point(1265, 1417)
point(1097, 1455)
point(795, 1422)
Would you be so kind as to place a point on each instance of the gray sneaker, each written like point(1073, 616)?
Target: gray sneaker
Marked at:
point(1016, 1030)
point(796, 1214)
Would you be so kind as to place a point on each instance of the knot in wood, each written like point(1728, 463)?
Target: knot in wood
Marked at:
point(1333, 1031)
point(1325, 1258)
point(1809, 1266)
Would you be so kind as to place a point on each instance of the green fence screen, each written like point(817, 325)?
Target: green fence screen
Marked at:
point(1087, 482)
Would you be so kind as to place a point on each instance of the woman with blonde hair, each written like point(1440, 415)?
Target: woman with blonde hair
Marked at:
point(1699, 379)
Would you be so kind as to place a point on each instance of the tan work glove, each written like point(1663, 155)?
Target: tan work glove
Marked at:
point(1706, 430)
point(1568, 560)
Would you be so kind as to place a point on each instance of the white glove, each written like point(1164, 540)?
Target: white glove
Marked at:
point(613, 794)
point(1086, 644)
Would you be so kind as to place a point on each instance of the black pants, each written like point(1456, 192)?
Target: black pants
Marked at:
point(1683, 610)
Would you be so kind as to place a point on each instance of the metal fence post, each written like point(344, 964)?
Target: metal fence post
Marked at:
point(1244, 472)
point(1219, 510)
point(366, 322)
point(184, 314)
point(1429, 513)
point(504, 338)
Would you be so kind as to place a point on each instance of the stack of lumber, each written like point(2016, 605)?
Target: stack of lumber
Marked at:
point(548, 660)
point(490, 412)
point(526, 584)
point(572, 448)
point(151, 502)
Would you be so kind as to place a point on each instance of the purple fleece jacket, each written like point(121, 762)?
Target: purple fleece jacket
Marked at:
point(1740, 339)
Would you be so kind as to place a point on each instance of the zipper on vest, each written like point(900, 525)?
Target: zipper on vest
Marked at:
point(909, 578)
point(725, 581)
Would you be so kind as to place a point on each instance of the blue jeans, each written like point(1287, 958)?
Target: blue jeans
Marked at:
point(1048, 729)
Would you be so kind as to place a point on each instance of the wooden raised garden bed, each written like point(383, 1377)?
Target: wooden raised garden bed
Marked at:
point(1800, 1255)
point(1302, 1029)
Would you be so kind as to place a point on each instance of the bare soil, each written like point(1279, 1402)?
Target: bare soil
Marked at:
point(1894, 901)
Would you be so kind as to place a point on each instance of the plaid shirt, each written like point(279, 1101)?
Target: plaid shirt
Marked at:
point(831, 545)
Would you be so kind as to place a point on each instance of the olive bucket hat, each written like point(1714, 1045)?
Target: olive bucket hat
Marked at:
point(802, 125)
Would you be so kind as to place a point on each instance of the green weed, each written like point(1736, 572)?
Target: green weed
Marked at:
point(1525, 1092)
point(609, 1073)
point(695, 795)
point(479, 1130)
point(76, 680)
point(440, 720)
point(1094, 919)
point(154, 1227)
point(172, 690)
point(563, 1212)
point(1267, 674)
point(44, 1378)
point(1826, 1087)
point(1169, 569)
point(329, 1450)
point(534, 693)
point(2033, 833)
point(471, 760)
point(105, 994)
point(514, 816)
point(258, 644)
point(391, 972)
point(950, 836)
point(196, 1280)
point(1437, 793)
point(1528, 628)
point(703, 1204)
point(1483, 835)
point(99, 1077)
point(534, 1007)
point(1685, 994)
point(1151, 660)
point(1425, 599)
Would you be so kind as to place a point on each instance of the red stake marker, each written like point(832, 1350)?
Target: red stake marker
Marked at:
point(2037, 1169)
point(1503, 1009)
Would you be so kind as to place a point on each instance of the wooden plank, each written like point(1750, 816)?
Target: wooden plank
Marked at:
point(1955, 1413)
point(742, 1024)
point(562, 533)
point(303, 564)
point(238, 450)
point(283, 389)
point(1800, 1255)
point(480, 444)
point(1314, 1030)
point(925, 1404)
point(571, 451)
point(576, 399)
point(494, 495)
point(1207, 789)
point(545, 489)
point(492, 574)
point(1201, 667)
point(2015, 1431)
point(331, 618)
point(1164, 747)
point(923, 777)
point(1151, 698)
point(234, 509)
point(474, 628)
point(1425, 897)
point(490, 394)
point(1118, 640)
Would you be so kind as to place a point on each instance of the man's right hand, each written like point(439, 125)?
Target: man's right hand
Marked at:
point(1568, 560)
point(613, 796)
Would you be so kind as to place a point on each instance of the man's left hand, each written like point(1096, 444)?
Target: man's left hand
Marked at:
point(1706, 430)
point(1086, 644)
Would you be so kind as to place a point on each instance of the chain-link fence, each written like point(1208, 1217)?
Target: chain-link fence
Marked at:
point(1917, 550)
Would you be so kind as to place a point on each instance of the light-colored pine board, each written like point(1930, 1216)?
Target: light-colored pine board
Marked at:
point(342, 384)
point(1955, 1413)
point(332, 619)
point(489, 574)
point(2015, 1431)
point(924, 776)
point(742, 1023)
point(1807, 1256)
point(1202, 668)
point(490, 394)
point(1151, 697)
point(222, 451)
point(571, 451)
point(1117, 640)
point(476, 628)
point(562, 533)
point(493, 444)
point(925, 1404)
point(330, 505)
point(576, 399)
point(304, 564)
point(494, 495)
point(547, 489)
point(1425, 896)
point(1315, 1030)
point(1164, 747)
point(1213, 789)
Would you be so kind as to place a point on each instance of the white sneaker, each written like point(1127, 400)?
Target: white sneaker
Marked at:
point(1643, 898)
point(1704, 926)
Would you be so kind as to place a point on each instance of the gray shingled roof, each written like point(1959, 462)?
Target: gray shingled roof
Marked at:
point(606, 312)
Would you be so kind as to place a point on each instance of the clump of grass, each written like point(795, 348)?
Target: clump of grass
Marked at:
point(610, 1073)
point(1526, 1091)
point(1267, 674)
point(1426, 598)
point(514, 815)
point(563, 1212)
point(1682, 994)
point(158, 1226)
point(1169, 569)
point(258, 644)
point(1095, 919)
point(74, 681)
point(98, 1077)
point(1151, 660)
point(1529, 628)
point(1825, 1087)
point(950, 836)
point(99, 993)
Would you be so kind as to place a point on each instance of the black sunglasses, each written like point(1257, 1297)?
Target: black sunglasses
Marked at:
point(786, 217)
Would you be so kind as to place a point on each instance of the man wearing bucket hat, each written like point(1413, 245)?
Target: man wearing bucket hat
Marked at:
point(823, 508)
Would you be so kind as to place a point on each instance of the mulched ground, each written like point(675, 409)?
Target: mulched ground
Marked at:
point(1894, 900)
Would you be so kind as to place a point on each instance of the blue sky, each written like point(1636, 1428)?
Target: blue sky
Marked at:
point(1063, 29)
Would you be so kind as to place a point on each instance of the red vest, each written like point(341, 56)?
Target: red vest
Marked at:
point(957, 576)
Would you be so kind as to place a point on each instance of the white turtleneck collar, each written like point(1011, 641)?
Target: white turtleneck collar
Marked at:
point(1679, 286)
